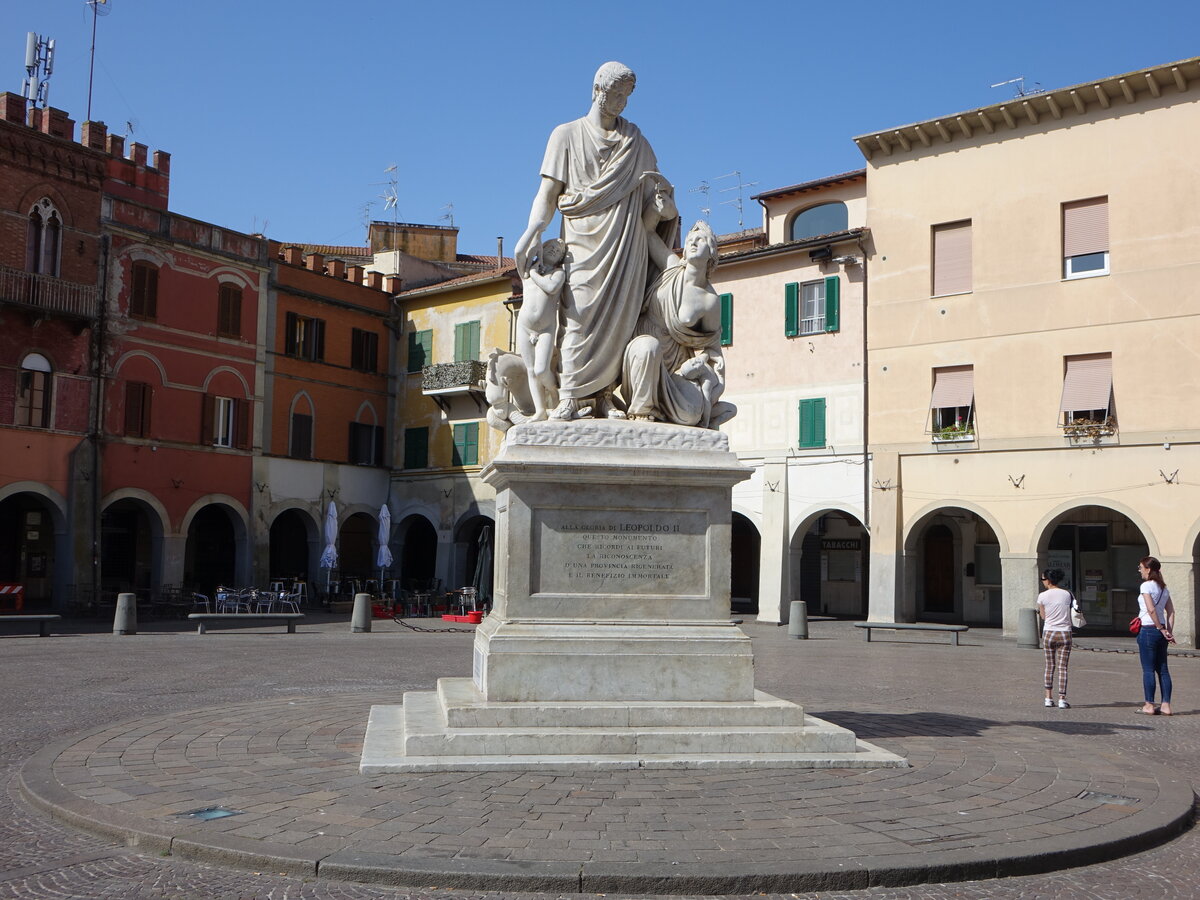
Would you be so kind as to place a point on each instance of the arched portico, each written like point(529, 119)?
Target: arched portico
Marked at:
point(133, 552)
point(952, 570)
point(217, 548)
point(745, 546)
point(829, 551)
point(33, 542)
point(418, 541)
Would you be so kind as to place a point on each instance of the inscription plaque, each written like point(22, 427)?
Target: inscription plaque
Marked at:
point(642, 552)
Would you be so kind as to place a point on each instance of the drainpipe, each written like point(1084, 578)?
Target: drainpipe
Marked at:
point(866, 427)
point(96, 437)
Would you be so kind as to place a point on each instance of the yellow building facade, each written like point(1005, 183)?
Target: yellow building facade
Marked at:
point(441, 509)
point(1033, 319)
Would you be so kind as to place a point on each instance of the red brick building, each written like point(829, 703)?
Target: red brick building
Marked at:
point(51, 255)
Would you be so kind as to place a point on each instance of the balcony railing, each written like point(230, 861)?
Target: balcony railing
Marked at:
point(49, 294)
point(443, 382)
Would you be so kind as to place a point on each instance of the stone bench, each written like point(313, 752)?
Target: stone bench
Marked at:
point(952, 630)
point(43, 621)
point(202, 620)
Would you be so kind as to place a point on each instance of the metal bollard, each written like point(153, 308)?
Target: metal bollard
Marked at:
point(125, 621)
point(798, 620)
point(360, 619)
point(1028, 632)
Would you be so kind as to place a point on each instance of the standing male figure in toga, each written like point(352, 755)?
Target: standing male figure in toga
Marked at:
point(600, 173)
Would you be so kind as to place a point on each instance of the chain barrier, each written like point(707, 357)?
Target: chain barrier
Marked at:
point(400, 621)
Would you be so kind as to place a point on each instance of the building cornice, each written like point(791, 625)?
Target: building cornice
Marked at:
point(1037, 110)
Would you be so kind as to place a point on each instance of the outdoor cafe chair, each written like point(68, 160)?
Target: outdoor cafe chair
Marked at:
point(201, 603)
point(289, 602)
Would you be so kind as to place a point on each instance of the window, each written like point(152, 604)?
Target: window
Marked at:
point(812, 423)
point(420, 350)
point(726, 319)
point(366, 444)
point(416, 448)
point(34, 391)
point(143, 291)
point(43, 238)
point(1085, 238)
point(364, 350)
point(225, 422)
point(229, 311)
point(466, 341)
point(828, 218)
point(305, 337)
point(137, 409)
point(300, 440)
point(1086, 405)
point(952, 404)
point(812, 307)
point(466, 444)
point(952, 258)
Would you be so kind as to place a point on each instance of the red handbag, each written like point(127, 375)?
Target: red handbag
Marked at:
point(1135, 624)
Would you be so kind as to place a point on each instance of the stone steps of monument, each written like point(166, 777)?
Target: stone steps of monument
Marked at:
point(465, 707)
point(426, 733)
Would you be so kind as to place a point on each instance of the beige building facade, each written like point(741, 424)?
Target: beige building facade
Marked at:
point(793, 345)
point(1034, 314)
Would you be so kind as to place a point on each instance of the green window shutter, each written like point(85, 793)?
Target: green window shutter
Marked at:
point(466, 341)
point(420, 350)
point(832, 303)
point(791, 309)
point(466, 444)
point(416, 448)
point(812, 422)
point(726, 319)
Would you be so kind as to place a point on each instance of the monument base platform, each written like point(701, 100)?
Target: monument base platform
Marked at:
point(456, 729)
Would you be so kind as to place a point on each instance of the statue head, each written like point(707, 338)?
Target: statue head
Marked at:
point(552, 252)
point(611, 87)
point(701, 244)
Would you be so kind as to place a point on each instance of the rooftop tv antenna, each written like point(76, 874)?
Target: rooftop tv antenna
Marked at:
point(1020, 90)
point(739, 187)
point(703, 188)
point(448, 215)
point(39, 65)
point(99, 8)
point(391, 198)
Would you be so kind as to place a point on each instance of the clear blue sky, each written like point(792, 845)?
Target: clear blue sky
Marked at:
point(289, 112)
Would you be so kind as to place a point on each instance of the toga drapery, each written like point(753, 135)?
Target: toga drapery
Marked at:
point(601, 205)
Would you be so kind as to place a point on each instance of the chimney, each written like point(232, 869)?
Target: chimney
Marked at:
point(92, 134)
point(391, 284)
point(12, 107)
point(162, 162)
point(53, 122)
point(115, 145)
point(500, 252)
point(293, 255)
point(315, 262)
point(137, 153)
point(354, 273)
point(375, 280)
point(337, 268)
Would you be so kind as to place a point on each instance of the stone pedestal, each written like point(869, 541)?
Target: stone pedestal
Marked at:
point(609, 642)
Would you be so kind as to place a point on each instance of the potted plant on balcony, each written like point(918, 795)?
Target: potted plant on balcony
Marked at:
point(1083, 429)
point(960, 431)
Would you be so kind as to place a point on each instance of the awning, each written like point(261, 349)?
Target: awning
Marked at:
point(1087, 383)
point(953, 386)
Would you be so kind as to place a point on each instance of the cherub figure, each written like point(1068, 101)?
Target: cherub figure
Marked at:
point(713, 411)
point(538, 321)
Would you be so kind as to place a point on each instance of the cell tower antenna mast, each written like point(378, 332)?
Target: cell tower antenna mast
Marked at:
point(39, 65)
point(99, 8)
point(739, 187)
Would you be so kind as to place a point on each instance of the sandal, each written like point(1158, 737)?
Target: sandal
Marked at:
point(1141, 712)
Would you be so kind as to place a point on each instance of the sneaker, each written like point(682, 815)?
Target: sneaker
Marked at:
point(1049, 702)
point(1063, 704)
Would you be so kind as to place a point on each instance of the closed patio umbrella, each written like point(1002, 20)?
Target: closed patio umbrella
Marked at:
point(383, 559)
point(329, 559)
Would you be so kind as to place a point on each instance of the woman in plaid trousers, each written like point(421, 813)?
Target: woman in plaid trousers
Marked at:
point(1054, 606)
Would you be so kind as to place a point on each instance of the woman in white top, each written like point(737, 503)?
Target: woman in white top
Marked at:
point(1054, 606)
point(1158, 619)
